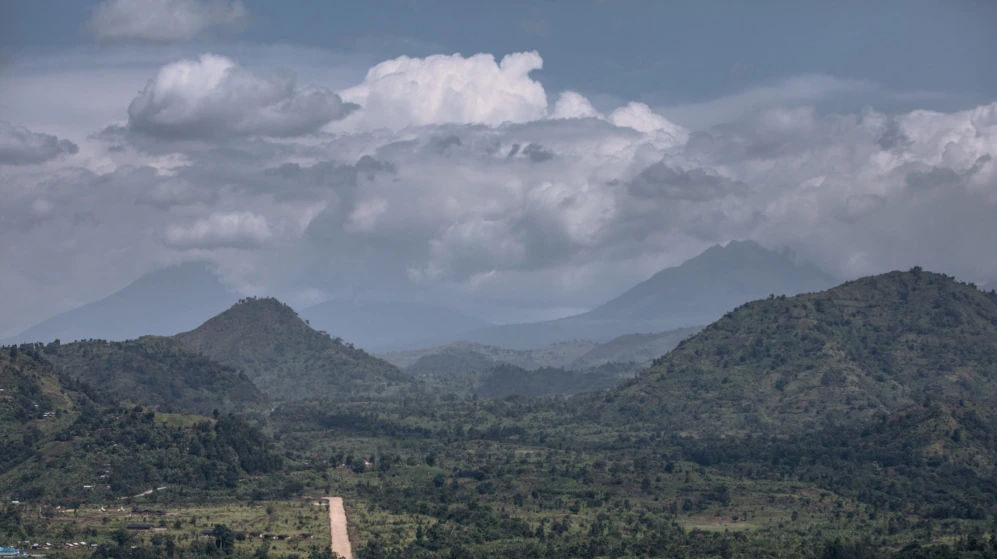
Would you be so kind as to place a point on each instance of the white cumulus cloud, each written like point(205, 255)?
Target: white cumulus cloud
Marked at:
point(492, 195)
point(213, 97)
point(574, 105)
point(451, 89)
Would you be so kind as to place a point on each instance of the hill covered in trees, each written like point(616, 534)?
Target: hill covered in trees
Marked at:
point(510, 380)
point(60, 438)
point(464, 357)
point(155, 371)
point(285, 358)
point(870, 346)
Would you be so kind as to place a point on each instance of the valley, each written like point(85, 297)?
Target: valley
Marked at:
point(852, 422)
point(478, 280)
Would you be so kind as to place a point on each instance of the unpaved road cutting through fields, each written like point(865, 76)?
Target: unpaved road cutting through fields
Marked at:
point(337, 528)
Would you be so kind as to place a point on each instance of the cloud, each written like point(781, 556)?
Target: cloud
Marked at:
point(452, 89)
point(164, 21)
point(640, 117)
point(213, 97)
point(574, 105)
point(221, 230)
point(492, 199)
point(805, 90)
point(20, 146)
point(660, 180)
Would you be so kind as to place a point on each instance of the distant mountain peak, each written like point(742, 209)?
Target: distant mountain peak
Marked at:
point(163, 302)
point(716, 281)
point(694, 293)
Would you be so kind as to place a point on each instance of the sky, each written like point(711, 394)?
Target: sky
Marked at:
point(516, 160)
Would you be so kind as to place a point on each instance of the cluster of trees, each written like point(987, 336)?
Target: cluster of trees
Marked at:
point(220, 543)
point(125, 451)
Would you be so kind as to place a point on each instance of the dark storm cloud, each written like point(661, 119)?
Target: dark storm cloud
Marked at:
point(20, 146)
point(661, 181)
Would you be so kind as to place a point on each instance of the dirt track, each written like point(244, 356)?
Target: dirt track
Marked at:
point(337, 528)
point(144, 493)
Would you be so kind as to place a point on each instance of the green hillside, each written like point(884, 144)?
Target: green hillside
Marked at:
point(59, 438)
point(35, 403)
point(285, 358)
point(463, 357)
point(932, 460)
point(637, 348)
point(869, 346)
point(510, 380)
point(155, 371)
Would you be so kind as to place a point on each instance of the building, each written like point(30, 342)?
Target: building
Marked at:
point(9, 552)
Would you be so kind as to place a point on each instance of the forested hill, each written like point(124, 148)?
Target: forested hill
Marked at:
point(285, 358)
point(155, 371)
point(60, 438)
point(877, 344)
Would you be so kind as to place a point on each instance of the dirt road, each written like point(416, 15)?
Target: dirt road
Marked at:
point(144, 493)
point(337, 528)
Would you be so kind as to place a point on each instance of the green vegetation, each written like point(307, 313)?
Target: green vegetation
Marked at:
point(62, 440)
point(871, 346)
point(509, 380)
point(463, 357)
point(637, 348)
point(285, 358)
point(854, 423)
point(155, 371)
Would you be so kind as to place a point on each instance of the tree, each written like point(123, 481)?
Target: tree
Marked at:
point(224, 538)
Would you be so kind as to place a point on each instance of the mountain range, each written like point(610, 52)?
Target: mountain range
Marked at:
point(179, 298)
point(161, 303)
point(694, 293)
point(462, 357)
